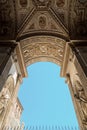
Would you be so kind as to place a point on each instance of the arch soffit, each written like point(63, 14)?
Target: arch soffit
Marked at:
point(43, 48)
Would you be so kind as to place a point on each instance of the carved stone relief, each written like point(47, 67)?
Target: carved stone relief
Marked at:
point(24, 9)
point(81, 99)
point(42, 3)
point(43, 47)
point(23, 3)
point(45, 23)
point(42, 22)
point(72, 14)
point(60, 8)
point(60, 3)
point(5, 96)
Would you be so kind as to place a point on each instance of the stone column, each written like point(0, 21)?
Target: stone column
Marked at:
point(11, 102)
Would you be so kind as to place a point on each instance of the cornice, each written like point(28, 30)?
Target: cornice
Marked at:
point(43, 33)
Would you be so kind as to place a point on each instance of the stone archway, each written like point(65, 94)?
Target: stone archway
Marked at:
point(35, 30)
point(54, 49)
point(43, 48)
point(57, 50)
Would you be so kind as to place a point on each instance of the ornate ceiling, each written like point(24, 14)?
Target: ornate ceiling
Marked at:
point(20, 19)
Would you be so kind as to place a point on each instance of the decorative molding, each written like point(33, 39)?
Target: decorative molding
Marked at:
point(67, 52)
point(21, 60)
point(43, 47)
point(16, 14)
point(42, 3)
point(45, 23)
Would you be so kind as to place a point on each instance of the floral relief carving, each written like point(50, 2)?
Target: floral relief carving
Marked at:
point(40, 49)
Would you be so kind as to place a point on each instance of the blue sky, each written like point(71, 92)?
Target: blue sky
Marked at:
point(45, 97)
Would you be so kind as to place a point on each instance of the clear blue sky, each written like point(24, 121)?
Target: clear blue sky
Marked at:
point(45, 97)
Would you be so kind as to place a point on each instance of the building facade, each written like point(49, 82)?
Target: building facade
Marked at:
point(43, 30)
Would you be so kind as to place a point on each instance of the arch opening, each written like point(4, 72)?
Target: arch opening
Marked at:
point(46, 97)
